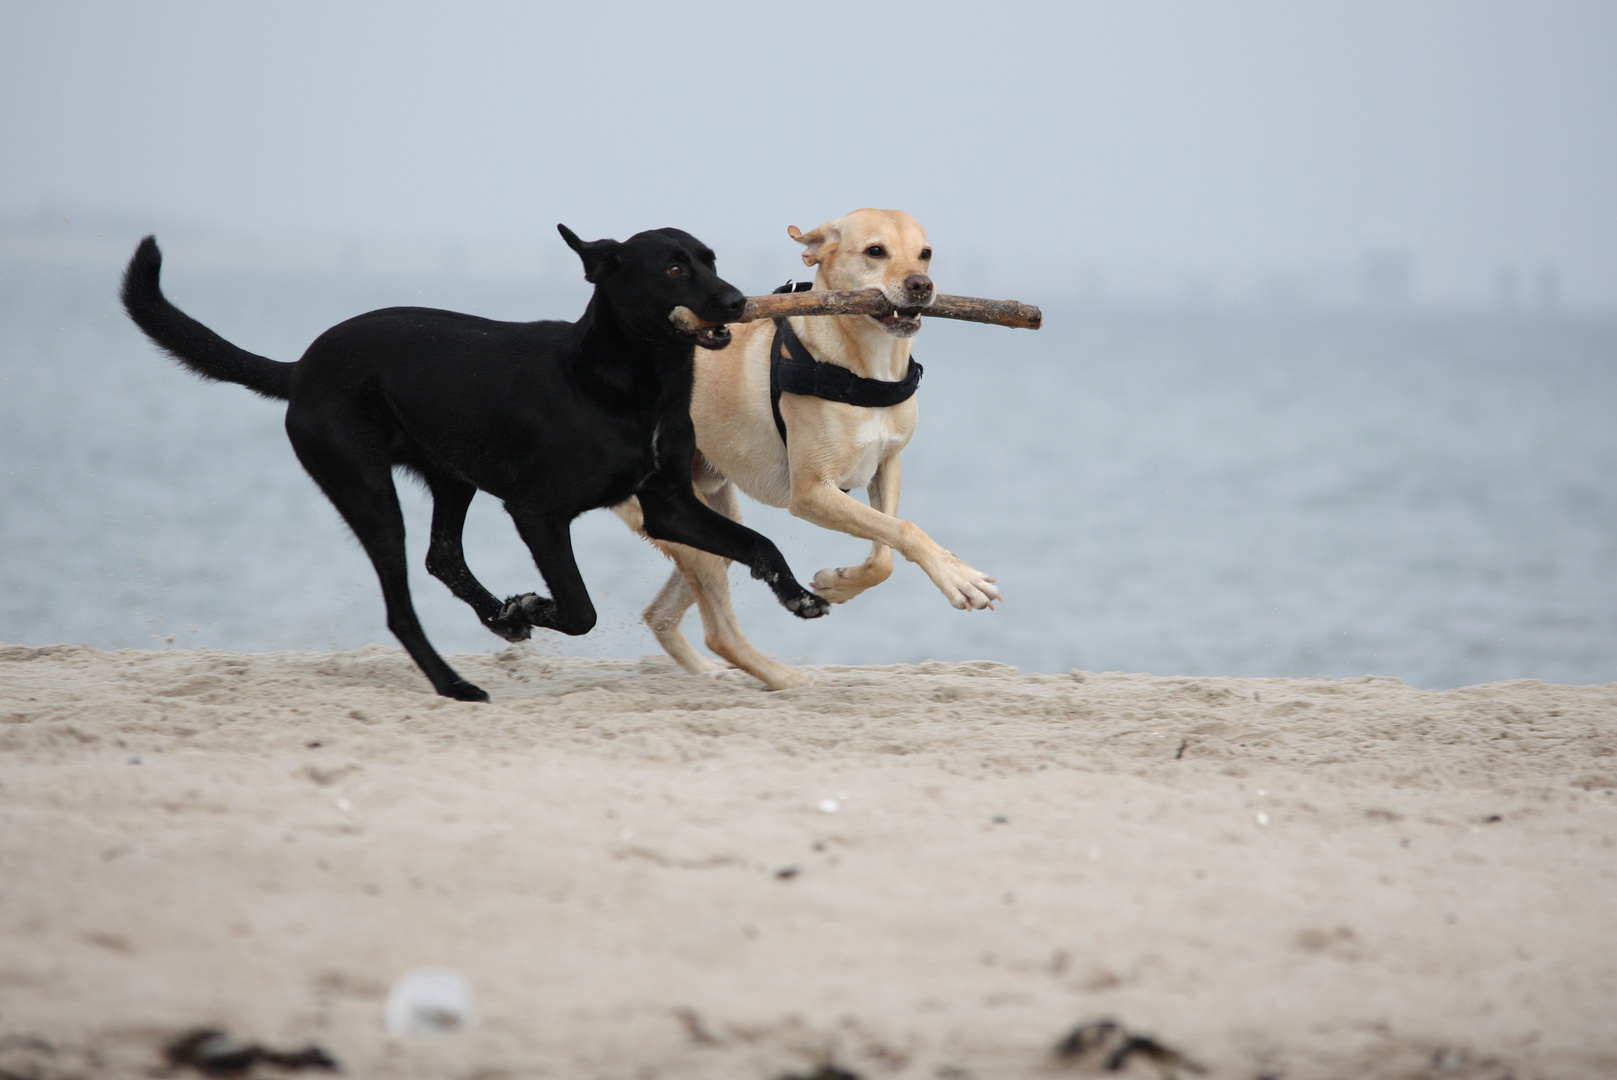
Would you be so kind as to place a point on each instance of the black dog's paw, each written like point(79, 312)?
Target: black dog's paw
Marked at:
point(512, 630)
point(517, 616)
point(807, 606)
point(461, 690)
point(523, 605)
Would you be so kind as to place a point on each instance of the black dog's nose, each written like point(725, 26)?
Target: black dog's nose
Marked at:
point(731, 303)
point(918, 286)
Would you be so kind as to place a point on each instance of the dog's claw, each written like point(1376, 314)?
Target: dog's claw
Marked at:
point(808, 606)
point(511, 631)
point(966, 588)
point(515, 606)
point(843, 583)
point(516, 617)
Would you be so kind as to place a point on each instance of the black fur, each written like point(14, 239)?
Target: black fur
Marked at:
point(552, 418)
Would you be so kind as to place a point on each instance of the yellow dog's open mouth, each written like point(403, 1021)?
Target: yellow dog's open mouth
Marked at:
point(901, 323)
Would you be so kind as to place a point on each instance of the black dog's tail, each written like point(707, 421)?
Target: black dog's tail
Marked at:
point(187, 340)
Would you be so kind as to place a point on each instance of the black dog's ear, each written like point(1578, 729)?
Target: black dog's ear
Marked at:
point(600, 256)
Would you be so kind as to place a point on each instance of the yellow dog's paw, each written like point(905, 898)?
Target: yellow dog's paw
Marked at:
point(967, 588)
point(791, 679)
point(840, 585)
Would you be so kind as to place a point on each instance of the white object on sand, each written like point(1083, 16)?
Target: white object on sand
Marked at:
point(430, 1001)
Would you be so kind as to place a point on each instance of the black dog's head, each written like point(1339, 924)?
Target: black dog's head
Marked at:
point(647, 276)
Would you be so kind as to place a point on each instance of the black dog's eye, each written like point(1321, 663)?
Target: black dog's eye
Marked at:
point(876, 251)
point(676, 270)
point(926, 253)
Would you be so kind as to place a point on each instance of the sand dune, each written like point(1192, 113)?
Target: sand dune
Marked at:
point(910, 871)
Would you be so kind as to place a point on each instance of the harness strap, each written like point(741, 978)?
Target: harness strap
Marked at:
point(792, 370)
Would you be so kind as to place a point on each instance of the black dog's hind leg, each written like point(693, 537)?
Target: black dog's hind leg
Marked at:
point(446, 559)
point(674, 513)
point(348, 458)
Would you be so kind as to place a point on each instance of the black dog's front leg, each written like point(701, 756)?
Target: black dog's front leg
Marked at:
point(568, 609)
point(673, 512)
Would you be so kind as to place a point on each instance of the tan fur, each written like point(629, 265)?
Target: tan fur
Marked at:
point(832, 448)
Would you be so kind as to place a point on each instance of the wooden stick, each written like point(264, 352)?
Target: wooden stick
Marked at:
point(1011, 313)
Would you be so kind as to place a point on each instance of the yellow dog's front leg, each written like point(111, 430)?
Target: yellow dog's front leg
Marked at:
point(831, 508)
point(846, 582)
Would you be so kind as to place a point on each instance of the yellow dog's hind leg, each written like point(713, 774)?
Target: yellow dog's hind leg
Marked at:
point(703, 578)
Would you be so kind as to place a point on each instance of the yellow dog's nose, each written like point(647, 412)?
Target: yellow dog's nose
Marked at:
point(919, 288)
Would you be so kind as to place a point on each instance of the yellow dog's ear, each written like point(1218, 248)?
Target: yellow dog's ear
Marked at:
point(819, 243)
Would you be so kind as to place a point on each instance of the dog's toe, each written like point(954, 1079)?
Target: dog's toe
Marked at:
point(809, 606)
point(461, 690)
point(511, 628)
point(523, 605)
point(517, 616)
point(984, 594)
point(837, 586)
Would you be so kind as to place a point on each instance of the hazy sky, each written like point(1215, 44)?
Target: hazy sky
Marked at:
point(1046, 139)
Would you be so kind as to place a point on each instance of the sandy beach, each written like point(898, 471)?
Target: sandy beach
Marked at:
point(931, 870)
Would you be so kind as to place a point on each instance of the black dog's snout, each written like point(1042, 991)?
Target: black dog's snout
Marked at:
point(731, 303)
point(918, 286)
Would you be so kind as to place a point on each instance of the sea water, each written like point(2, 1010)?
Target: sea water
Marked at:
point(1180, 490)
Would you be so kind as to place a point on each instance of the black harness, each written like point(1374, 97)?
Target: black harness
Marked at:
point(793, 371)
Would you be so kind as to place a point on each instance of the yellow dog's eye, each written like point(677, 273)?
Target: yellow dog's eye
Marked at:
point(876, 251)
point(676, 270)
point(926, 254)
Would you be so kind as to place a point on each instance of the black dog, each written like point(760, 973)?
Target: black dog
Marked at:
point(552, 418)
